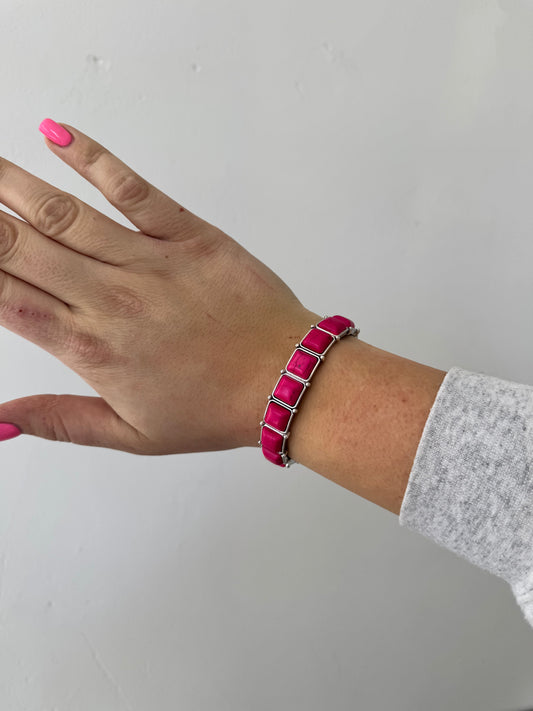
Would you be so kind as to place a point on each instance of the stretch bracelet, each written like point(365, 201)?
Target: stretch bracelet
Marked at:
point(293, 383)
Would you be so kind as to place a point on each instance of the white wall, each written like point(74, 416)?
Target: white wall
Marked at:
point(387, 146)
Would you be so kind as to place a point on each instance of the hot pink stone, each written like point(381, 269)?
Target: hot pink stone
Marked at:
point(336, 324)
point(317, 341)
point(301, 364)
point(271, 440)
point(273, 457)
point(288, 390)
point(277, 416)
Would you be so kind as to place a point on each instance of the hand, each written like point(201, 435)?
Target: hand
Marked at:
point(181, 331)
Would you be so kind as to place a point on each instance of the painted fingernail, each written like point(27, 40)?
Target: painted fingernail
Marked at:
point(55, 132)
point(8, 431)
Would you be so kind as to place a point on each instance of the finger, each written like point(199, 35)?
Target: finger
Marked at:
point(78, 419)
point(34, 314)
point(36, 261)
point(149, 209)
point(68, 220)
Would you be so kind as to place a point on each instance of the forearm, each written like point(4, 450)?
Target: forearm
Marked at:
point(362, 419)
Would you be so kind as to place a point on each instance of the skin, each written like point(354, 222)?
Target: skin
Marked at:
point(179, 329)
point(183, 333)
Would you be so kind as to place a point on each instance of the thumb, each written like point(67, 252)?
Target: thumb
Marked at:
point(70, 418)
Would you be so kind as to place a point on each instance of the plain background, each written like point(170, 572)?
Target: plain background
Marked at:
point(377, 156)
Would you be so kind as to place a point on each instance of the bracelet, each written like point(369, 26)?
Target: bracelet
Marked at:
point(293, 383)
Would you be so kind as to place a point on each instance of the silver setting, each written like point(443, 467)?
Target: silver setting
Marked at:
point(287, 460)
point(297, 377)
point(319, 355)
point(305, 383)
point(349, 331)
point(285, 433)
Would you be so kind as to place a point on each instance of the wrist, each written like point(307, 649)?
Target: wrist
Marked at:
point(363, 420)
point(362, 417)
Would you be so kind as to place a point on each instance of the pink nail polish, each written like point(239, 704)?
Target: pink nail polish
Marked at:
point(55, 132)
point(8, 431)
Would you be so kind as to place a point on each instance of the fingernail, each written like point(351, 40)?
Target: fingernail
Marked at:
point(55, 132)
point(8, 431)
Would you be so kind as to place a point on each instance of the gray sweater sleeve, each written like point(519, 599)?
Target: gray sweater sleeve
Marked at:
point(471, 484)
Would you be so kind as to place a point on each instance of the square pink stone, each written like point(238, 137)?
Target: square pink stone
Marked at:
point(302, 364)
point(274, 458)
point(271, 440)
point(336, 324)
point(277, 416)
point(288, 390)
point(317, 341)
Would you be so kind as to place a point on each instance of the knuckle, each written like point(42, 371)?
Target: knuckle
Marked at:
point(123, 302)
point(3, 290)
point(8, 238)
point(201, 246)
point(88, 350)
point(128, 189)
point(53, 423)
point(91, 155)
point(56, 214)
point(4, 166)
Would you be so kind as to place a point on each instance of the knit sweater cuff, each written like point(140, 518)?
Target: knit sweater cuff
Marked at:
point(470, 489)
